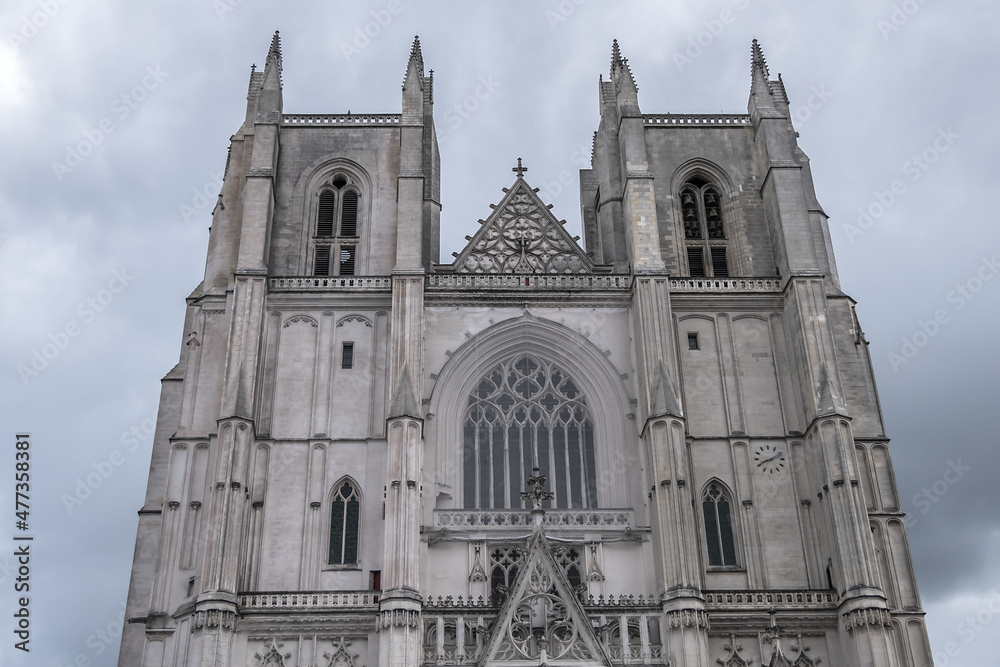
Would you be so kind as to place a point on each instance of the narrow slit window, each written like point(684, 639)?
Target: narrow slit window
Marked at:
point(321, 267)
point(693, 342)
point(347, 356)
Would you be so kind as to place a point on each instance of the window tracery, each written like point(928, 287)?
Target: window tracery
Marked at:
point(717, 508)
point(704, 229)
point(336, 236)
point(345, 525)
point(527, 412)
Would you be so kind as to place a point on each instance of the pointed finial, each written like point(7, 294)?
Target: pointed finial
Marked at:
point(415, 65)
point(275, 49)
point(417, 54)
point(519, 169)
point(757, 61)
point(620, 71)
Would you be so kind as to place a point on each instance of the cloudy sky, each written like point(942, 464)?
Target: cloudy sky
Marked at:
point(116, 116)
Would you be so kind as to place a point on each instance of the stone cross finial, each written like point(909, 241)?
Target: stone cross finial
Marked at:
point(536, 495)
point(519, 170)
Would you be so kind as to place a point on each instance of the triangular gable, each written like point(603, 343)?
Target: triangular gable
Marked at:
point(522, 236)
point(542, 622)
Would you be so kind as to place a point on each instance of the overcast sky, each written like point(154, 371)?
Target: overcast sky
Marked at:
point(114, 122)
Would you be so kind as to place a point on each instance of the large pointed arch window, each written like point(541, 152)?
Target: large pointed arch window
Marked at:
point(704, 229)
point(336, 238)
point(345, 524)
point(716, 505)
point(528, 412)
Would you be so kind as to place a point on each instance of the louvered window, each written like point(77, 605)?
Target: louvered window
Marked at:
point(696, 261)
point(321, 266)
point(349, 214)
point(324, 224)
point(336, 236)
point(720, 269)
point(347, 254)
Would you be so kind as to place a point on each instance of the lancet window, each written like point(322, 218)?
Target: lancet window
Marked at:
point(704, 229)
point(345, 525)
point(528, 412)
point(717, 507)
point(336, 236)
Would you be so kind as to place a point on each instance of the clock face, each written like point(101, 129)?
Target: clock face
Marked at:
point(769, 458)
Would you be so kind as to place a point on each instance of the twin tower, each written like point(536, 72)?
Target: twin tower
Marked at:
point(660, 447)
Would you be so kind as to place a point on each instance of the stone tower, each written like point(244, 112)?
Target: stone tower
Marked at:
point(663, 447)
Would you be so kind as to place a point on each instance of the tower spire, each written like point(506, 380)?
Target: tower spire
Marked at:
point(415, 65)
point(758, 65)
point(274, 53)
point(621, 73)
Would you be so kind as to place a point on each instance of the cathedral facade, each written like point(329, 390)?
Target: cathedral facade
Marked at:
point(660, 446)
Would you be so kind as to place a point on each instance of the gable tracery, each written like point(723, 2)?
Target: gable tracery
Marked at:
point(522, 237)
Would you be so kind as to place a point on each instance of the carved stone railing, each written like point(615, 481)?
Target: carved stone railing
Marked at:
point(342, 119)
point(331, 284)
point(309, 601)
point(528, 282)
point(768, 599)
point(617, 519)
point(758, 285)
point(458, 636)
point(712, 120)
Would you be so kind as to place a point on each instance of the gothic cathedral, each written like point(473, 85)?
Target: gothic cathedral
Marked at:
point(661, 447)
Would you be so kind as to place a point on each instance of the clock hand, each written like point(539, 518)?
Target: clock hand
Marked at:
point(770, 459)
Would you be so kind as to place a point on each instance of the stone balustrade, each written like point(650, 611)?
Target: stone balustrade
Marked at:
point(617, 519)
point(331, 284)
point(342, 119)
point(708, 120)
point(808, 599)
point(309, 601)
point(528, 282)
point(758, 285)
